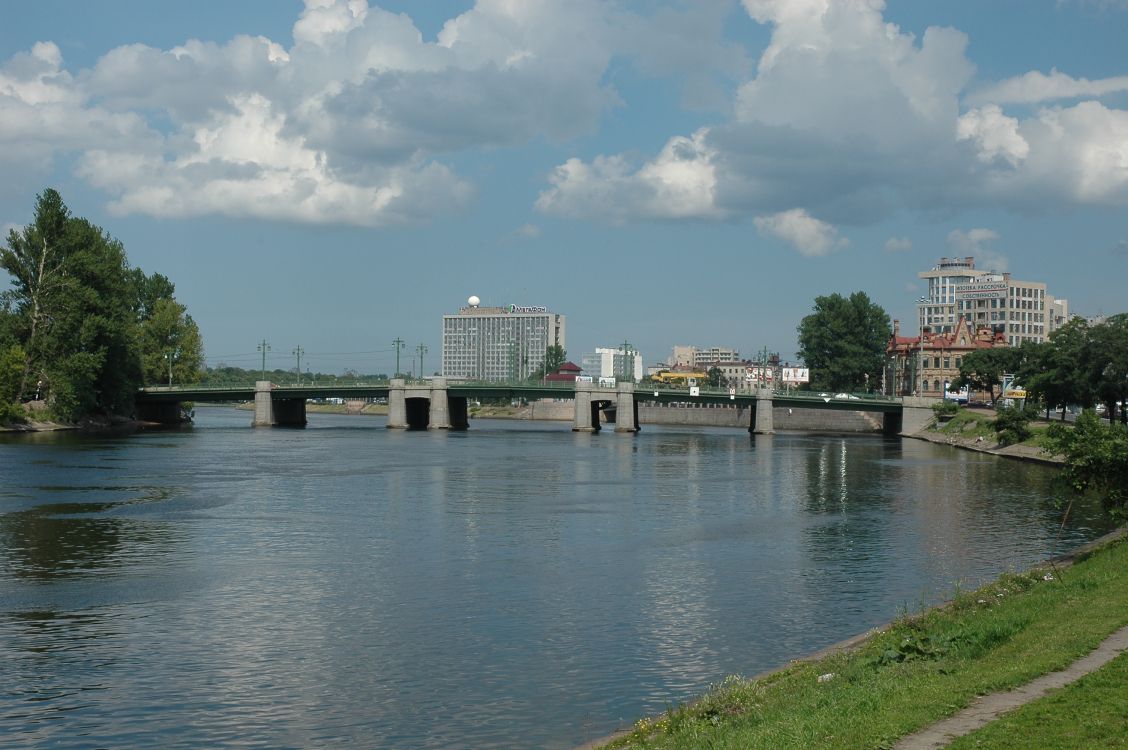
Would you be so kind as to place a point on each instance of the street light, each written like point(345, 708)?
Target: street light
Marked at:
point(298, 352)
point(170, 356)
point(264, 347)
point(421, 350)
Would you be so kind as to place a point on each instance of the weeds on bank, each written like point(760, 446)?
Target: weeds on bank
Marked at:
point(917, 671)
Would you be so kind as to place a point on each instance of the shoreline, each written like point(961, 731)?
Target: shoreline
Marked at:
point(856, 641)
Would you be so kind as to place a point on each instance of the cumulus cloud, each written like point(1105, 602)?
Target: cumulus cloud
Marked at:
point(808, 235)
point(680, 183)
point(977, 243)
point(350, 124)
point(856, 119)
point(1035, 87)
point(898, 245)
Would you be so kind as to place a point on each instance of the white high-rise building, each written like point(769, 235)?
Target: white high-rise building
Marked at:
point(1021, 310)
point(613, 363)
point(498, 343)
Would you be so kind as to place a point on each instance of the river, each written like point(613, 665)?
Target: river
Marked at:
point(516, 585)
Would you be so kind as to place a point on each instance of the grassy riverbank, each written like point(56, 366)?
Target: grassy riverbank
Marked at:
point(924, 668)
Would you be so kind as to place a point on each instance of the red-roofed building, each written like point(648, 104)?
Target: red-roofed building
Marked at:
point(566, 374)
point(923, 365)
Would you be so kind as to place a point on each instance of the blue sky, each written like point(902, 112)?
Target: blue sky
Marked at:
point(333, 175)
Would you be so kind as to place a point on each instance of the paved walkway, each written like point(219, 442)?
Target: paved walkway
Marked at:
point(987, 708)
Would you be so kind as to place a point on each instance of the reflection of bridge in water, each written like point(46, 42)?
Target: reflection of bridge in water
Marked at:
point(439, 404)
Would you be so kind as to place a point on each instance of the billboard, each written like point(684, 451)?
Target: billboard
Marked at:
point(982, 290)
point(796, 375)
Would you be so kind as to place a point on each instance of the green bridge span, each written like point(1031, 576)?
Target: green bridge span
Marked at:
point(442, 404)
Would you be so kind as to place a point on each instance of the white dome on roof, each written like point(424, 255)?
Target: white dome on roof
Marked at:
point(473, 301)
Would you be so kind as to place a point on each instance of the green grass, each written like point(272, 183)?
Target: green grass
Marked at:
point(1090, 713)
point(969, 425)
point(918, 671)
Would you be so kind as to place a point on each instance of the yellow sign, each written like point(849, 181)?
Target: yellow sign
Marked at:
point(1014, 393)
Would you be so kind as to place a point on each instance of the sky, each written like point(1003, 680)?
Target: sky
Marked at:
point(338, 174)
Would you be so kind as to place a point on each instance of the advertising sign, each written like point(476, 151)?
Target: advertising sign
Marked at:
point(796, 375)
point(961, 395)
point(982, 290)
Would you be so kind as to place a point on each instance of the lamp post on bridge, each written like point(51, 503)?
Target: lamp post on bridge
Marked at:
point(264, 347)
point(398, 344)
point(170, 356)
point(421, 349)
point(298, 352)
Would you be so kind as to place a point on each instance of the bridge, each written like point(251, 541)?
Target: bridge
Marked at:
point(439, 404)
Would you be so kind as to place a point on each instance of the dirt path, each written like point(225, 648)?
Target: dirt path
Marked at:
point(987, 708)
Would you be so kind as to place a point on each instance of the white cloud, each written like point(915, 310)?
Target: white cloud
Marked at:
point(808, 235)
point(528, 231)
point(996, 135)
point(680, 183)
point(898, 245)
point(976, 243)
point(856, 119)
point(1035, 87)
point(348, 125)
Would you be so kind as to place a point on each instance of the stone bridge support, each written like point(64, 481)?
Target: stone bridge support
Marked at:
point(763, 418)
point(916, 413)
point(626, 408)
point(283, 412)
point(586, 409)
point(397, 405)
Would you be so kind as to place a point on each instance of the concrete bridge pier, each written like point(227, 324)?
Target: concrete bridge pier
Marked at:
point(763, 418)
point(284, 412)
point(586, 410)
point(439, 416)
point(626, 409)
point(397, 404)
point(916, 413)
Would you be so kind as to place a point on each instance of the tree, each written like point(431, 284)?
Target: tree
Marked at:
point(1109, 357)
point(554, 358)
point(982, 369)
point(12, 363)
point(1096, 460)
point(714, 377)
point(35, 260)
point(843, 341)
point(169, 342)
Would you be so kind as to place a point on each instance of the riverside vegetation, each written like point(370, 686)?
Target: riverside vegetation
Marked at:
point(926, 667)
point(80, 329)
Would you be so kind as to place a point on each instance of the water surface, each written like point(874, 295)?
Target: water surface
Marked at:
point(517, 585)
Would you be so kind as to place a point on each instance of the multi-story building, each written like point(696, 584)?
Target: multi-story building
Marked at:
point(691, 356)
point(1020, 310)
point(622, 363)
point(498, 343)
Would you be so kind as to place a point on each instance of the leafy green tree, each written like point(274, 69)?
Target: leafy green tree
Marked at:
point(12, 363)
point(714, 377)
point(1096, 460)
point(169, 344)
point(554, 358)
point(843, 340)
point(1109, 364)
point(1012, 423)
point(35, 259)
point(982, 369)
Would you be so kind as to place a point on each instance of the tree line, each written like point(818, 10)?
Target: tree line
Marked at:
point(80, 329)
point(1081, 364)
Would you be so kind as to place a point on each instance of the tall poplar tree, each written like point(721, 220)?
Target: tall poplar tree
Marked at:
point(843, 341)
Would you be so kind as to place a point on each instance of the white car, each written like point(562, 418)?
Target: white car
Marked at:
point(847, 395)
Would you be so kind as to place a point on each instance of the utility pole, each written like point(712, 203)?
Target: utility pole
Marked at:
point(421, 350)
point(298, 352)
point(170, 356)
point(264, 347)
point(398, 344)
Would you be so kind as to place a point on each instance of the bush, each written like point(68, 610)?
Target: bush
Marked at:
point(946, 408)
point(1096, 460)
point(1012, 423)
